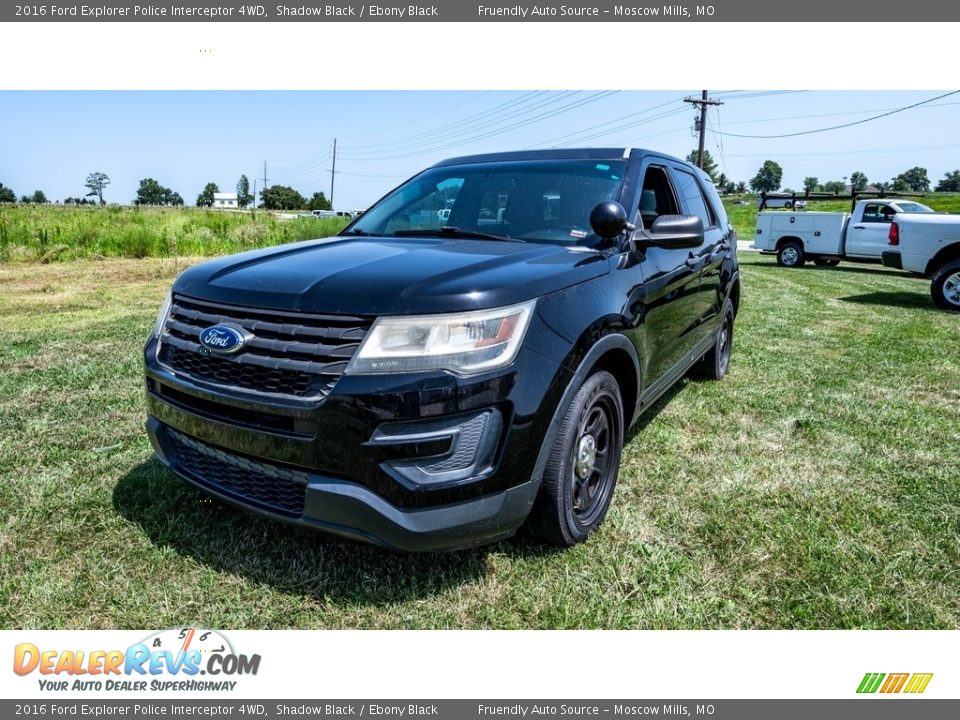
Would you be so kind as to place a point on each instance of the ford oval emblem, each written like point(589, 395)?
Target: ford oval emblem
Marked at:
point(222, 339)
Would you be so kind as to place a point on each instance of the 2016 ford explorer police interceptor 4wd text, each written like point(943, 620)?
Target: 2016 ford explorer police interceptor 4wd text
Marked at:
point(433, 380)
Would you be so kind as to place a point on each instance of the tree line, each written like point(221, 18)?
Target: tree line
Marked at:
point(770, 177)
point(152, 192)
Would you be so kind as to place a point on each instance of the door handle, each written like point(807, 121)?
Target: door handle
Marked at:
point(859, 227)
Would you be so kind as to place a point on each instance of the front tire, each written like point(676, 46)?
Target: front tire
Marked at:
point(945, 287)
point(584, 462)
point(791, 255)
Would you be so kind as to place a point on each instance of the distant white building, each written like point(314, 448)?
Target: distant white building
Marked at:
point(227, 201)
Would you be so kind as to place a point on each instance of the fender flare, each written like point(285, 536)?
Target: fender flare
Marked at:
point(612, 341)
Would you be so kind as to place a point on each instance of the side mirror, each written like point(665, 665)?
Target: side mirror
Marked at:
point(676, 231)
point(609, 220)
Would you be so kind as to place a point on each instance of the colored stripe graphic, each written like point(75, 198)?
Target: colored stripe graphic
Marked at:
point(870, 682)
point(894, 683)
point(918, 683)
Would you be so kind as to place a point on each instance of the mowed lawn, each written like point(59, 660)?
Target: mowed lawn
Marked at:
point(816, 487)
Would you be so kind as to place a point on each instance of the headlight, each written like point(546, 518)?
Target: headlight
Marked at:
point(162, 315)
point(462, 343)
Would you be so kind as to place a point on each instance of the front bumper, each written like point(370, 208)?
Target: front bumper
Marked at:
point(352, 463)
point(348, 510)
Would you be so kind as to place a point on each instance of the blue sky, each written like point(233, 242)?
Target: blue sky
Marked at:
point(52, 140)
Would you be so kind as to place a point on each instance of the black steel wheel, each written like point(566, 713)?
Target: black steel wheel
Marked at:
point(714, 365)
point(581, 474)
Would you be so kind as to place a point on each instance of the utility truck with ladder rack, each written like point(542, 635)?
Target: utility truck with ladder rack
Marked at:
point(826, 238)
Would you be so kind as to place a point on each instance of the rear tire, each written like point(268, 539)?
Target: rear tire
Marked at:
point(584, 462)
point(791, 255)
point(945, 287)
point(714, 365)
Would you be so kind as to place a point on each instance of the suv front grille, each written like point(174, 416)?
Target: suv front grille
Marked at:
point(268, 486)
point(290, 353)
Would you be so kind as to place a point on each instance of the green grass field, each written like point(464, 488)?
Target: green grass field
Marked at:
point(815, 487)
point(48, 233)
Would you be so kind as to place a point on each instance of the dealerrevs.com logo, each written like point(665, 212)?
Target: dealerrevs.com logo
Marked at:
point(180, 659)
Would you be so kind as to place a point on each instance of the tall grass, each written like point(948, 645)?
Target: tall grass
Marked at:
point(49, 232)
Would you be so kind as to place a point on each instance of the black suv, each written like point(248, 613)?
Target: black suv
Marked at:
point(462, 359)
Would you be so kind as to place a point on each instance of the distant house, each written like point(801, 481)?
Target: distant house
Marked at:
point(225, 200)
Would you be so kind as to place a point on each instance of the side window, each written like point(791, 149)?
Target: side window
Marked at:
point(693, 200)
point(878, 213)
point(656, 197)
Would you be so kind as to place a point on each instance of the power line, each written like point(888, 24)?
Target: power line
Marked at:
point(844, 125)
point(315, 161)
point(462, 129)
point(867, 152)
point(760, 94)
point(604, 124)
point(718, 141)
point(496, 131)
point(422, 117)
point(628, 126)
point(831, 114)
point(525, 103)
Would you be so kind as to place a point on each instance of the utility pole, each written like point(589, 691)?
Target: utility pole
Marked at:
point(254, 193)
point(333, 171)
point(702, 102)
point(264, 175)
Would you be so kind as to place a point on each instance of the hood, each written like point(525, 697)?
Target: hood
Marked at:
point(390, 276)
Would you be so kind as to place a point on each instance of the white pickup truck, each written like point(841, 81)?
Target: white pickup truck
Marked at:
point(928, 245)
point(826, 238)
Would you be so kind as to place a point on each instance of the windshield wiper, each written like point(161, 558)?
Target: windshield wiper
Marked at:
point(450, 231)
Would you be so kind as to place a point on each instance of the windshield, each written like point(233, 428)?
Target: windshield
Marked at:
point(913, 207)
point(545, 201)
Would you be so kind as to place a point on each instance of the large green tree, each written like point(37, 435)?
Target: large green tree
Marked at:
point(834, 186)
point(244, 198)
point(7, 195)
point(811, 184)
point(709, 164)
point(768, 177)
point(151, 192)
point(96, 183)
point(914, 179)
point(858, 181)
point(950, 182)
point(319, 202)
point(205, 198)
point(281, 197)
